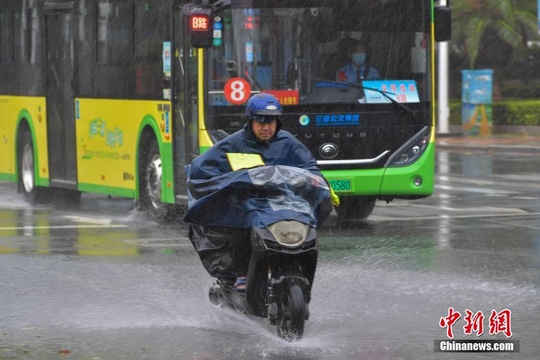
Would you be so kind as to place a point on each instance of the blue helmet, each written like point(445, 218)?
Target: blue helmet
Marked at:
point(263, 107)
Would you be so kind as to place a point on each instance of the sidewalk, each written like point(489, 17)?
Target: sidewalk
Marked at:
point(513, 143)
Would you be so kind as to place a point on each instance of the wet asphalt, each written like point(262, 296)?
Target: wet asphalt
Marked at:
point(101, 281)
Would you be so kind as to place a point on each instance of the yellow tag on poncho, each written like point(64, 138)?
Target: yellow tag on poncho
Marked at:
point(244, 161)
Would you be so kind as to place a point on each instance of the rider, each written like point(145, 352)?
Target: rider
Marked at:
point(262, 135)
point(227, 257)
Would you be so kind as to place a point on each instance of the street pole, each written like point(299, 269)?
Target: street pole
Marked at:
point(442, 109)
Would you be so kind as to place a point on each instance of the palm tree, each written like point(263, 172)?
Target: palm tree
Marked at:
point(482, 26)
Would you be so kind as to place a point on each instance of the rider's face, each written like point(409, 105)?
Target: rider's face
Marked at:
point(264, 131)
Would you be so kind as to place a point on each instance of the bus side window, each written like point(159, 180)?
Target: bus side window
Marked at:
point(6, 34)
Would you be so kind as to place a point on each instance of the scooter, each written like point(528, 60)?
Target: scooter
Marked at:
point(281, 203)
point(279, 278)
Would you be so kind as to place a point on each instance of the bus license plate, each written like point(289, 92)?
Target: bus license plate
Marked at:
point(341, 185)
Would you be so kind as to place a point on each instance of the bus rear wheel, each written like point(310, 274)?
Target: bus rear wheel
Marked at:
point(151, 186)
point(27, 180)
point(355, 207)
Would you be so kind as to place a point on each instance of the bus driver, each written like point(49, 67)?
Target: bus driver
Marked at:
point(357, 69)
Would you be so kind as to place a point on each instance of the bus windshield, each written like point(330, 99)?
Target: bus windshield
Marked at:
point(326, 52)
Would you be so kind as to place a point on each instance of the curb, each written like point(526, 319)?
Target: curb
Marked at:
point(491, 147)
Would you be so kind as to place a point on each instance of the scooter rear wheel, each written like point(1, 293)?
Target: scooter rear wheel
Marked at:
point(290, 322)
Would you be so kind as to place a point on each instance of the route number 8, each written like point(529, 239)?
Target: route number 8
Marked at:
point(237, 91)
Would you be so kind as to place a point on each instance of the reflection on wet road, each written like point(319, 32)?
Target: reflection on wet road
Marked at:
point(104, 282)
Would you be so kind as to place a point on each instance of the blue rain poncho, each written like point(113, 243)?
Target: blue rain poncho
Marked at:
point(219, 196)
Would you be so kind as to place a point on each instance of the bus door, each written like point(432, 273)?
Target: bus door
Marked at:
point(185, 125)
point(60, 94)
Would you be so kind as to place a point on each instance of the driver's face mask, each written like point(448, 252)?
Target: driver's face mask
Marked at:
point(358, 58)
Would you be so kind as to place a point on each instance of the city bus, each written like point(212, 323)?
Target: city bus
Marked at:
point(117, 96)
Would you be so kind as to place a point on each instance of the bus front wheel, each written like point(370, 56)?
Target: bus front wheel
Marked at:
point(355, 207)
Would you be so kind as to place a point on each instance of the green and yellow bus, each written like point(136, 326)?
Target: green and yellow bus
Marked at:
point(117, 96)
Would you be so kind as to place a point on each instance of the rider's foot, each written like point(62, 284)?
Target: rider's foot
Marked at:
point(240, 284)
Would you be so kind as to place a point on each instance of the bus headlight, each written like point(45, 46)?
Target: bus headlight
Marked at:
point(289, 233)
point(411, 151)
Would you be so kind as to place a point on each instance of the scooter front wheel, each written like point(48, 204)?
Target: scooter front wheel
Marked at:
point(291, 318)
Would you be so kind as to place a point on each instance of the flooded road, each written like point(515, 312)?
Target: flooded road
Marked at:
point(103, 282)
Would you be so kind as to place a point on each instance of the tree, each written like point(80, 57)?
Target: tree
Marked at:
point(476, 21)
point(489, 31)
point(526, 5)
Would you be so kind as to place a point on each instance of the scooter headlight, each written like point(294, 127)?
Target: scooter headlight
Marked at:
point(289, 233)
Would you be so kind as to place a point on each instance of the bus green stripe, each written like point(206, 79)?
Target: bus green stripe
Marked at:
point(8, 177)
point(167, 174)
point(108, 190)
point(393, 181)
point(400, 180)
point(203, 149)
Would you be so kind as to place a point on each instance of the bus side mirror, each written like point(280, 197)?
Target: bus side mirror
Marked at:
point(201, 29)
point(443, 23)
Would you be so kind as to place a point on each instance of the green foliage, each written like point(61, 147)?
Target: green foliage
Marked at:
point(481, 26)
point(521, 90)
point(508, 112)
point(491, 34)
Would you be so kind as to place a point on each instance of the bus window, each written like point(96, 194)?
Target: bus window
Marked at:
point(6, 36)
point(114, 32)
point(297, 52)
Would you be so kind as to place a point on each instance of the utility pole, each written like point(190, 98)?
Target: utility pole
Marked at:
point(443, 111)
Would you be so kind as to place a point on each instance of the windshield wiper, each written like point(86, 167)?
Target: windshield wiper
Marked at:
point(383, 93)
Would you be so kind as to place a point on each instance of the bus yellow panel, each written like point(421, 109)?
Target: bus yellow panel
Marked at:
point(107, 135)
point(13, 110)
